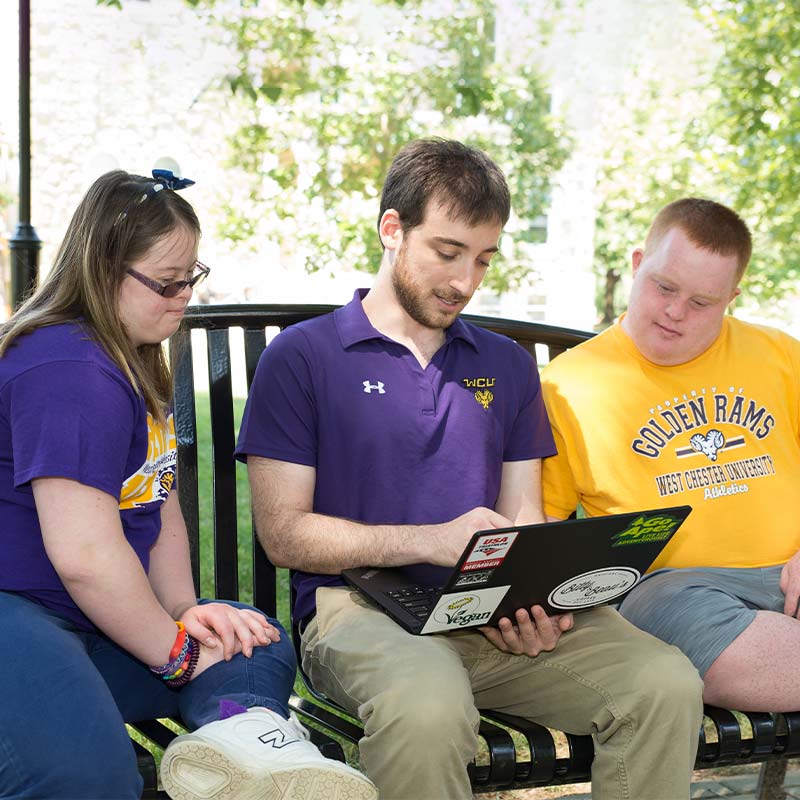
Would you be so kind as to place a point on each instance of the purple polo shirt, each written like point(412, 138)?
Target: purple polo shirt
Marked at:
point(391, 442)
point(67, 411)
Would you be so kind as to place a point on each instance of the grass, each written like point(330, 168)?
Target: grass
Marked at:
point(244, 525)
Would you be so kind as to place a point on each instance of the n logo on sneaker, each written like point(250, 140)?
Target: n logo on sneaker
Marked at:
point(277, 738)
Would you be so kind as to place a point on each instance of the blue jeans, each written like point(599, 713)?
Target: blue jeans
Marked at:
point(66, 694)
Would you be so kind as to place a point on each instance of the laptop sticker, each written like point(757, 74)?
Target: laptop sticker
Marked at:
point(489, 551)
point(594, 587)
point(455, 610)
point(647, 529)
point(474, 578)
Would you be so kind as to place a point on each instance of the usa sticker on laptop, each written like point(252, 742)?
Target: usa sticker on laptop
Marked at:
point(489, 551)
point(464, 609)
point(593, 588)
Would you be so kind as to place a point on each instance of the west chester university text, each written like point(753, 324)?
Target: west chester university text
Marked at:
point(716, 476)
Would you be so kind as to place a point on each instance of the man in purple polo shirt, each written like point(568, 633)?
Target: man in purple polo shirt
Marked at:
point(387, 433)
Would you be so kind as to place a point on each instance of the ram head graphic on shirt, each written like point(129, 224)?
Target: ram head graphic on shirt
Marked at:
point(709, 444)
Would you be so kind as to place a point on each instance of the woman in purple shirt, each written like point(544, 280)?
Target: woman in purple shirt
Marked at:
point(98, 614)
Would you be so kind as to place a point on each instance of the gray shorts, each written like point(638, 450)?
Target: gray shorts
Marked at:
point(702, 610)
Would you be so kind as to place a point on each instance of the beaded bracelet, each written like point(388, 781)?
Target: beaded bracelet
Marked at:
point(178, 653)
point(183, 660)
point(184, 674)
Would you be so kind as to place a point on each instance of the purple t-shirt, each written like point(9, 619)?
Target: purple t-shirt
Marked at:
point(392, 442)
point(67, 411)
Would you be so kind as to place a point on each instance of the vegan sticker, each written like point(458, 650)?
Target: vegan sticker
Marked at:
point(464, 609)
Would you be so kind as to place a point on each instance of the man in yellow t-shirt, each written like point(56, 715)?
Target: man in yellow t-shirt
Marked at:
point(676, 404)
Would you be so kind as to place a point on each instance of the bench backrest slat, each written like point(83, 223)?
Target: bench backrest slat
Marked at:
point(264, 584)
point(223, 441)
point(185, 417)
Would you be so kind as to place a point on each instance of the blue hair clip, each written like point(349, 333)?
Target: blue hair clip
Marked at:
point(168, 180)
point(164, 179)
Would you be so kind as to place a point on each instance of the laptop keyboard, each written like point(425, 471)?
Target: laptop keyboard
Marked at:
point(417, 600)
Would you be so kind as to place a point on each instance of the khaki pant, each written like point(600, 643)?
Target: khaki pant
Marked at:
point(417, 697)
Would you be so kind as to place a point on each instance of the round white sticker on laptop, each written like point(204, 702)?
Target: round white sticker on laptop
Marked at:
point(593, 588)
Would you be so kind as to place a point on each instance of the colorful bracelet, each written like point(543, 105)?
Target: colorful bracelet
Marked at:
point(183, 660)
point(177, 656)
point(179, 640)
point(184, 675)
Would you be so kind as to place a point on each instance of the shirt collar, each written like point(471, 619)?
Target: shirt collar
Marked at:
point(354, 326)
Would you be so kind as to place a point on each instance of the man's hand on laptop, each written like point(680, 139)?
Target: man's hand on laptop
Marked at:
point(529, 633)
point(450, 538)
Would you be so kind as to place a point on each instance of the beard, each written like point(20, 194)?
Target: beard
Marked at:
point(417, 302)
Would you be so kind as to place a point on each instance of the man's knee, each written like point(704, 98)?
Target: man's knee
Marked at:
point(668, 680)
point(429, 711)
point(691, 609)
point(672, 670)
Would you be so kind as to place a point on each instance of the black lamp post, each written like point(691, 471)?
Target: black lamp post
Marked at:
point(24, 244)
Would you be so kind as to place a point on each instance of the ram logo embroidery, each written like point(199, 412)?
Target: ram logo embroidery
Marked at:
point(484, 397)
point(709, 444)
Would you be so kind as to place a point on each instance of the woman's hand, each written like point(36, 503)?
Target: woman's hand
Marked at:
point(238, 629)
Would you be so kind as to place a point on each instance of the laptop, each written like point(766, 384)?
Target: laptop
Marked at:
point(564, 566)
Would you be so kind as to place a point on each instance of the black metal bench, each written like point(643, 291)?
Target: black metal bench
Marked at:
point(516, 754)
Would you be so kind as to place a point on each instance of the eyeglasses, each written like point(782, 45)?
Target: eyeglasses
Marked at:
point(175, 288)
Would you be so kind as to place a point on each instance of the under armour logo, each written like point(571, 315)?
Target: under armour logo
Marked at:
point(368, 387)
point(277, 738)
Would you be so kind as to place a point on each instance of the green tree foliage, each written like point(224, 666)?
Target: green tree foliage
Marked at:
point(754, 129)
point(651, 157)
point(722, 121)
point(326, 93)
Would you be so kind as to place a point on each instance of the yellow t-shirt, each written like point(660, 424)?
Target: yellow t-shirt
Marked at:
point(720, 433)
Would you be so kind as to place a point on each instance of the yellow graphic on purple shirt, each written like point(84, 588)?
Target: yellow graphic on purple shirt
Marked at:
point(153, 480)
point(484, 397)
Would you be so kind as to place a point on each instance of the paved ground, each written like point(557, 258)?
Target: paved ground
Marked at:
point(733, 787)
point(743, 788)
point(731, 783)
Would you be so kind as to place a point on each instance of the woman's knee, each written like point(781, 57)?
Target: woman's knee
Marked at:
point(109, 773)
point(80, 768)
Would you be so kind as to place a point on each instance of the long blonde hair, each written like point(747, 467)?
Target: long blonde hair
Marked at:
point(112, 227)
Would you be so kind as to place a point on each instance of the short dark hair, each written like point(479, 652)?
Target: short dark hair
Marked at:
point(464, 180)
point(709, 225)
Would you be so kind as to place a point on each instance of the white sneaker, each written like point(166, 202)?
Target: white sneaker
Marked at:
point(257, 756)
